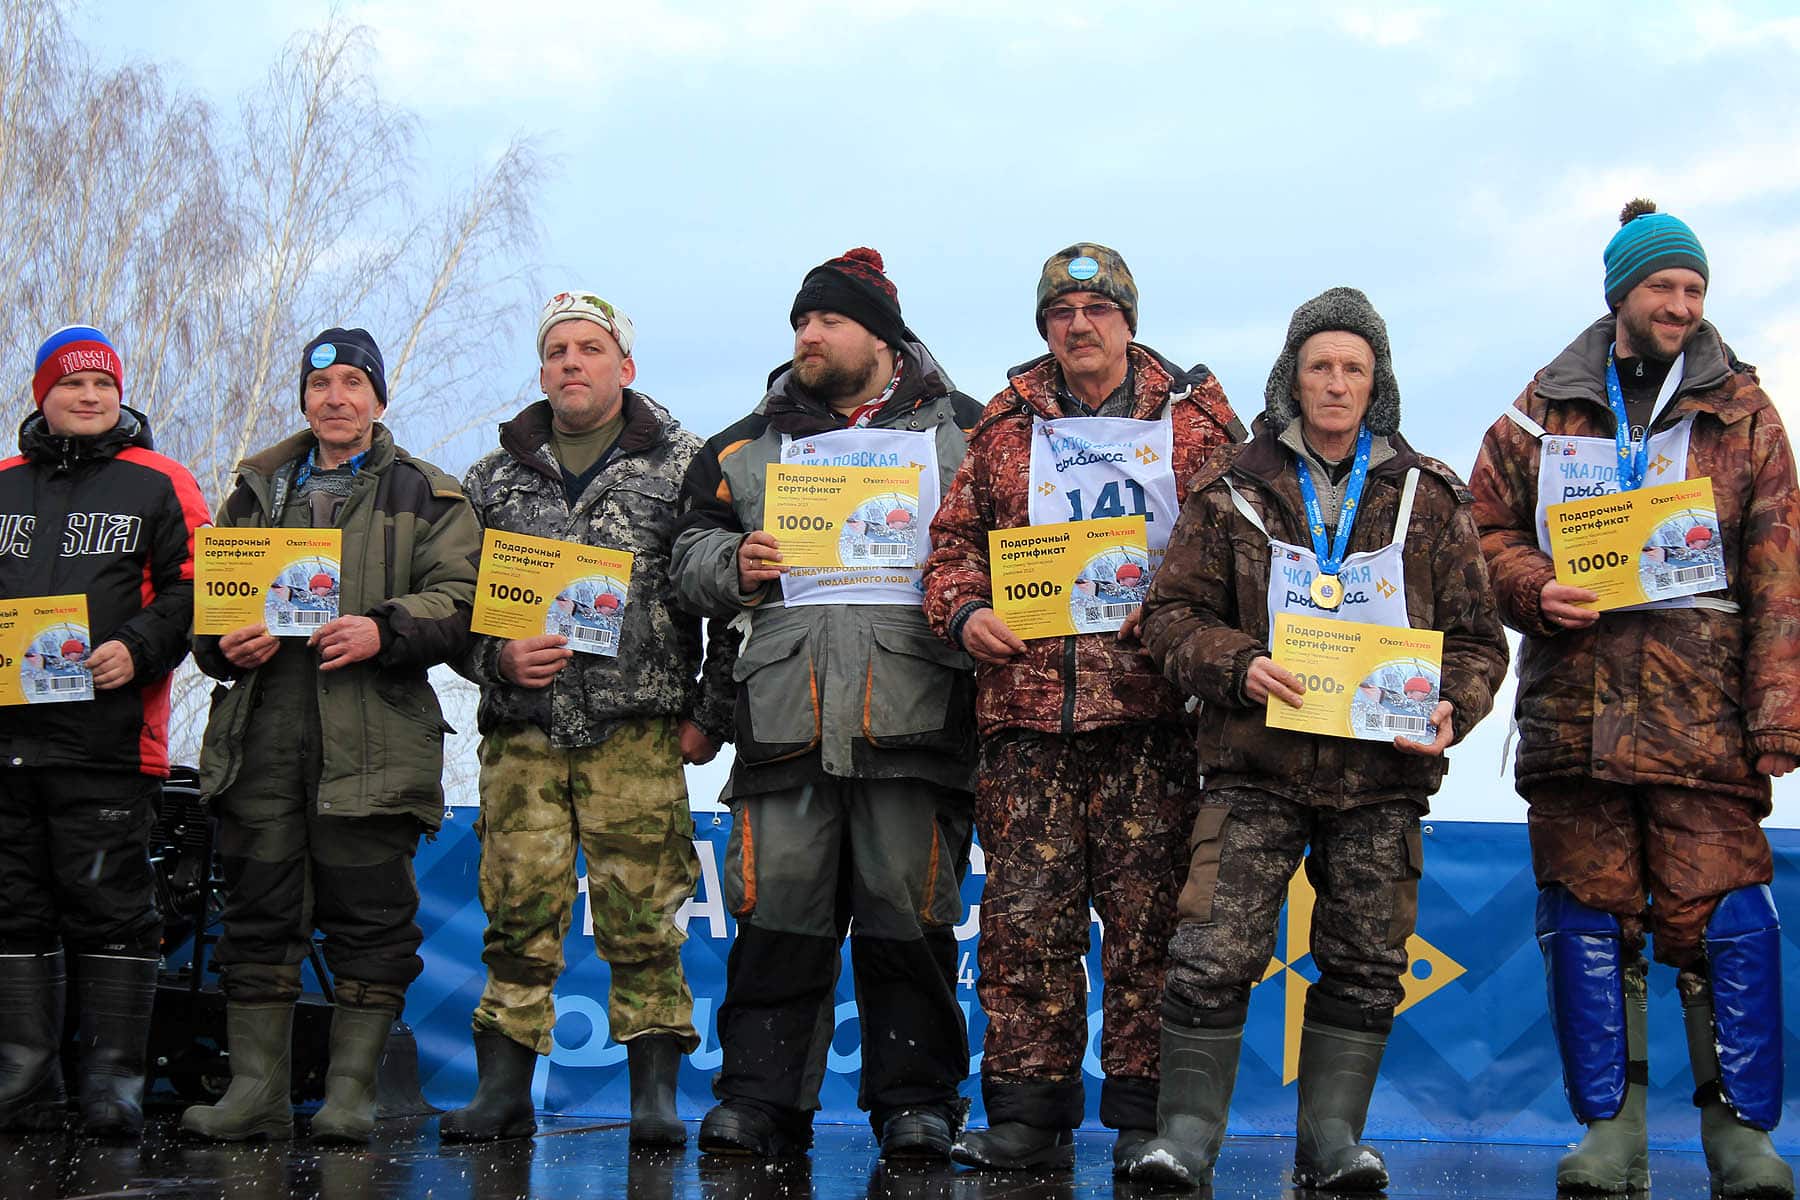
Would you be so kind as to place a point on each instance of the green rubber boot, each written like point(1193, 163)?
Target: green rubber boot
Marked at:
point(358, 1036)
point(260, 1038)
point(1614, 1155)
point(1739, 1157)
point(1337, 1076)
point(1199, 1070)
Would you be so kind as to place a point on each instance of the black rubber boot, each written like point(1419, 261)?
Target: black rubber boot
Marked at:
point(1127, 1146)
point(501, 1107)
point(116, 998)
point(654, 1060)
point(1739, 1157)
point(33, 988)
point(1337, 1076)
point(260, 1038)
point(358, 1036)
point(1199, 1071)
point(739, 1128)
point(916, 1134)
point(1614, 1155)
point(1015, 1146)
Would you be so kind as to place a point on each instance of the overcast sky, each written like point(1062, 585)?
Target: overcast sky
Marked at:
point(1463, 165)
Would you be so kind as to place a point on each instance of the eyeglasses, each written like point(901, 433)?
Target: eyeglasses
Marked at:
point(1062, 314)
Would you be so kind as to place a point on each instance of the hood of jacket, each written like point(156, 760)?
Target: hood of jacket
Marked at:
point(795, 411)
point(647, 424)
point(1579, 373)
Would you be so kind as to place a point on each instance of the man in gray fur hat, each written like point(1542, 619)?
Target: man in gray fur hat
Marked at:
point(1387, 538)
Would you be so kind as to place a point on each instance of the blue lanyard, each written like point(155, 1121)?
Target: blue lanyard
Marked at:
point(1634, 458)
point(1315, 516)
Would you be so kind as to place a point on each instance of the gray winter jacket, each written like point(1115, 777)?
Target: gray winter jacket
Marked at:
point(629, 504)
point(827, 690)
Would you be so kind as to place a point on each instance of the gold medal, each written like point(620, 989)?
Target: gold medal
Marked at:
point(1327, 592)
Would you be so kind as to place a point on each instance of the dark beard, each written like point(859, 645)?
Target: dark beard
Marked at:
point(831, 381)
point(1643, 341)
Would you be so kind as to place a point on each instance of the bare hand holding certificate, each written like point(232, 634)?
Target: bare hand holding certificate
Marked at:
point(287, 580)
point(845, 516)
point(528, 586)
point(1652, 543)
point(44, 645)
point(1075, 577)
point(1371, 682)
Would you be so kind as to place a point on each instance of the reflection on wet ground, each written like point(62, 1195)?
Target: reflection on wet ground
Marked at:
point(576, 1158)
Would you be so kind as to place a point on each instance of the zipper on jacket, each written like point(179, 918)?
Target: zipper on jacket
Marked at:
point(1068, 704)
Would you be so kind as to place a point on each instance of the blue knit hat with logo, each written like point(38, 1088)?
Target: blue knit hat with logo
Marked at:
point(1648, 242)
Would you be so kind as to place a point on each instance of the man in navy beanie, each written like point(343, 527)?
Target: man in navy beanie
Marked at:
point(1648, 735)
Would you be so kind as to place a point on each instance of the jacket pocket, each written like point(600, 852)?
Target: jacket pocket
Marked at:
point(778, 697)
point(1403, 912)
point(918, 693)
point(1205, 847)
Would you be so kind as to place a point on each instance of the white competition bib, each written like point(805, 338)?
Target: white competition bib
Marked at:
point(1374, 580)
point(866, 447)
point(1575, 468)
point(1084, 468)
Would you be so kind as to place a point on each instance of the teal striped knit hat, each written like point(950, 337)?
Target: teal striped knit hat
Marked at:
point(1648, 242)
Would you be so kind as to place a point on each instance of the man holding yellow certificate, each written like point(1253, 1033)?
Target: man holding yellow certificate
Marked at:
point(325, 755)
point(590, 705)
point(1329, 524)
point(854, 748)
point(1639, 516)
point(94, 520)
point(1056, 521)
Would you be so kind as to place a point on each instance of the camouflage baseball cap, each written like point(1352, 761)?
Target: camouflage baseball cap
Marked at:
point(585, 306)
point(1088, 267)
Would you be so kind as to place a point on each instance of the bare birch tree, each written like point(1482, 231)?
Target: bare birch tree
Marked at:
point(211, 249)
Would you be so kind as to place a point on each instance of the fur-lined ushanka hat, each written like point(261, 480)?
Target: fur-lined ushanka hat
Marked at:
point(1347, 310)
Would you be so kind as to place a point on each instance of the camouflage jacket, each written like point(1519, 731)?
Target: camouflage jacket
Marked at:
point(409, 550)
point(1207, 617)
point(1088, 681)
point(631, 504)
point(827, 690)
point(1691, 696)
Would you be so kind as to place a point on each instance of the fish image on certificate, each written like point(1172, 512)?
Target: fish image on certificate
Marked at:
point(1109, 588)
point(1396, 699)
point(590, 612)
point(303, 596)
point(45, 643)
point(1683, 552)
point(882, 531)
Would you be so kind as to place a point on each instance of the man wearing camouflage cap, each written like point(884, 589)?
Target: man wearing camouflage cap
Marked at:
point(586, 751)
point(1085, 787)
point(1648, 735)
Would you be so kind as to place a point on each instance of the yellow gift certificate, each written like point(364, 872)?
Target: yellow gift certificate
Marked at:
point(845, 516)
point(287, 580)
point(1372, 682)
point(44, 644)
point(1074, 577)
point(528, 586)
point(1633, 547)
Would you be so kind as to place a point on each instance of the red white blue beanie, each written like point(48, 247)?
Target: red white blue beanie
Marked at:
point(70, 349)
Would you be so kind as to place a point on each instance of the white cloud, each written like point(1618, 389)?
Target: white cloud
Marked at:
point(1774, 346)
point(1388, 27)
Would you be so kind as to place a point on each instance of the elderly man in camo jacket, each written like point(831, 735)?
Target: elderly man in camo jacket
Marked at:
point(588, 751)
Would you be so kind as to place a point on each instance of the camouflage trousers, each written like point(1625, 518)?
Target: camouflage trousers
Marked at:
point(624, 805)
point(1364, 870)
point(1612, 845)
point(1095, 816)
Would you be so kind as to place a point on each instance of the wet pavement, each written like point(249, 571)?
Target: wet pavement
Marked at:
point(586, 1158)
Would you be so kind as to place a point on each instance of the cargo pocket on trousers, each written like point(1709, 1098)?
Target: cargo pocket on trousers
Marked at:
point(1205, 845)
point(778, 698)
point(1403, 913)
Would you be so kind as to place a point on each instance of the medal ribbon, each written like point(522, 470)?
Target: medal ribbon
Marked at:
point(1634, 456)
point(1331, 560)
